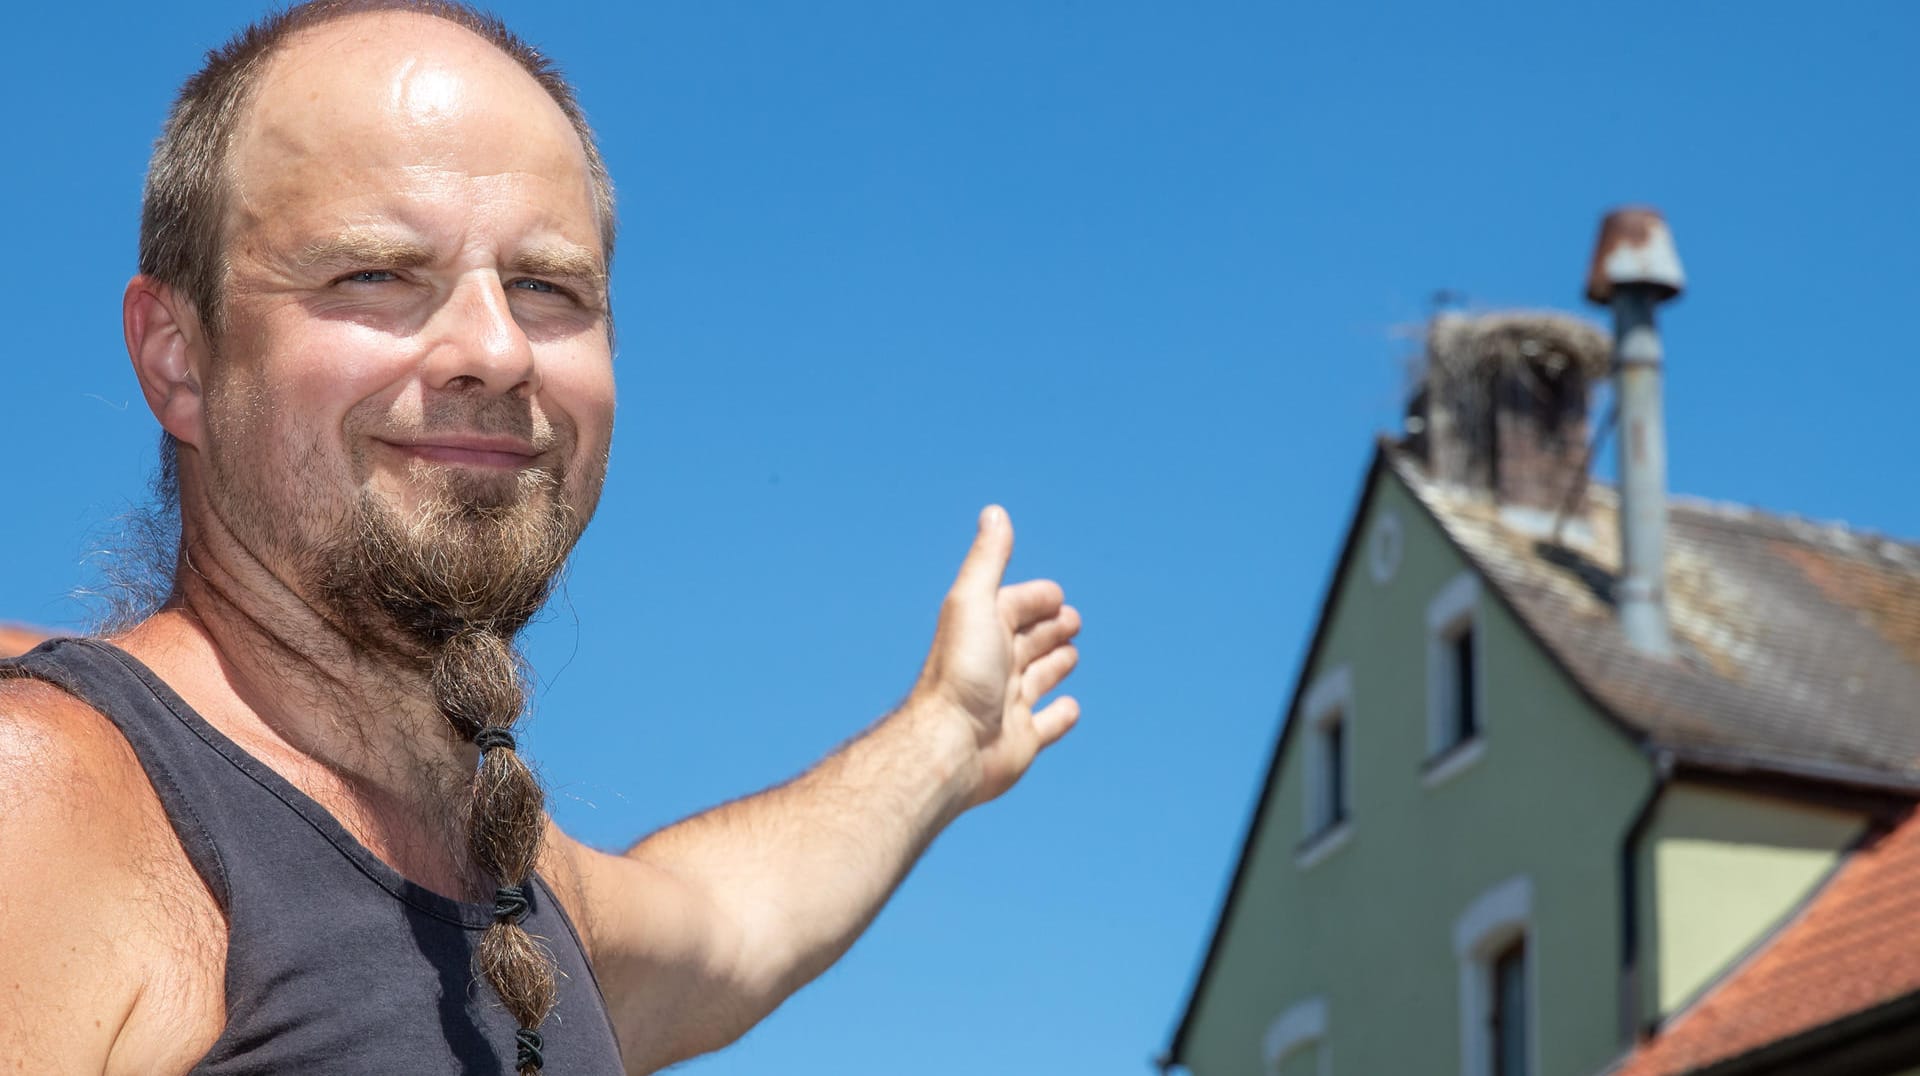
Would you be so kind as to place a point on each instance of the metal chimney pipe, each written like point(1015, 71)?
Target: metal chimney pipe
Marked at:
point(1635, 269)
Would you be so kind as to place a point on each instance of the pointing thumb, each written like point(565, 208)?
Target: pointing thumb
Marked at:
point(986, 562)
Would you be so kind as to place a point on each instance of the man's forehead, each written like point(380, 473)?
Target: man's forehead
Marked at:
point(399, 81)
point(401, 112)
point(375, 40)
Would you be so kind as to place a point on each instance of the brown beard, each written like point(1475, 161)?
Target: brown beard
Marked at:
point(480, 556)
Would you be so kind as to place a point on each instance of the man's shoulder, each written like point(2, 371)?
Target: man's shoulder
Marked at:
point(74, 795)
point(57, 748)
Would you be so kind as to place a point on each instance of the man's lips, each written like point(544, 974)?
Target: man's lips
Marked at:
point(471, 451)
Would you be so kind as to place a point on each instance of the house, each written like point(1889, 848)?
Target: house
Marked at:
point(1506, 832)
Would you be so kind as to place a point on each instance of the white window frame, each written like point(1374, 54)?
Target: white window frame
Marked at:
point(1488, 925)
point(1303, 1026)
point(1330, 696)
point(1454, 609)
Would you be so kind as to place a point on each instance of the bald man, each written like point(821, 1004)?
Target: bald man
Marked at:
point(282, 824)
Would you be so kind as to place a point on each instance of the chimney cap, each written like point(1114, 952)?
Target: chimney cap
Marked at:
point(1635, 249)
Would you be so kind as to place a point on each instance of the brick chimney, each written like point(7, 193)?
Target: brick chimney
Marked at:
point(1499, 405)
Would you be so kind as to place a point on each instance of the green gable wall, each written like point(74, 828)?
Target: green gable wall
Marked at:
point(1720, 868)
point(1371, 926)
point(1304, 1062)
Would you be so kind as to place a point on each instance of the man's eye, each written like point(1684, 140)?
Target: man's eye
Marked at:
point(368, 276)
point(543, 286)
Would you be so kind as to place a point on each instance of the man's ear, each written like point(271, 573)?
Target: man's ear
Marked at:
point(169, 352)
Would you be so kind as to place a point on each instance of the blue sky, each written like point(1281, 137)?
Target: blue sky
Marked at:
point(1140, 271)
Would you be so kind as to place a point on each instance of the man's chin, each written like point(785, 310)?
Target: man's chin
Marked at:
point(478, 554)
point(451, 491)
point(487, 493)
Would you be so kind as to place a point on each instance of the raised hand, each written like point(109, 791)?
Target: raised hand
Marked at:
point(997, 652)
point(704, 927)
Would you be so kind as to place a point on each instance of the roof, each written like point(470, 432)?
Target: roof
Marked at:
point(1797, 643)
point(1853, 949)
point(18, 639)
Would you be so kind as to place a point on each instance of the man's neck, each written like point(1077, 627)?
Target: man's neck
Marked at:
point(350, 725)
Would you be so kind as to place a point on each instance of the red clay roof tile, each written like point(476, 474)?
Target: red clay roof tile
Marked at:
point(1856, 945)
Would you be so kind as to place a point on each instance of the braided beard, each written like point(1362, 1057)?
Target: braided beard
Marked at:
point(449, 590)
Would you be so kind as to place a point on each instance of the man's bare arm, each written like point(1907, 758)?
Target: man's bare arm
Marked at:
point(702, 929)
point(100, 899)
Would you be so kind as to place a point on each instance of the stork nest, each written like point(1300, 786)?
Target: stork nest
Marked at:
point(1521, 341)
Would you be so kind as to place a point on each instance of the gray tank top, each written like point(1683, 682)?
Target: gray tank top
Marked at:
point(336, 964)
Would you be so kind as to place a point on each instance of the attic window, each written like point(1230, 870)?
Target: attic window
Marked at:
point(1463, 717)
point(1330, 738)
point(1456, 710)
point(1326, 716)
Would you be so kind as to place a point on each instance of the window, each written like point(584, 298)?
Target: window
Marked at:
point(1463, 718)
point(1327, 716)
point(1491, 940)
point(1296, 1042)
point(1507, 1023)
point(1455, 697)
point(1329, 806)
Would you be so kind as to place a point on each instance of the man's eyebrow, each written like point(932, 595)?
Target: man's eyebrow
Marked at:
point(563, 260)
point(366, 248)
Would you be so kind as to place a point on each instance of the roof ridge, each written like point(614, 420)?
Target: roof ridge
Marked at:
point(1835, 532)
point(1832, 533)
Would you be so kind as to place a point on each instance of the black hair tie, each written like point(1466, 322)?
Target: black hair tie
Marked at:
point(510, 904)
point(529, 1042)
point(494, 736)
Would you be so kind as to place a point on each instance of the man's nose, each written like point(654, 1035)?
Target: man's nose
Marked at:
point(479, 344)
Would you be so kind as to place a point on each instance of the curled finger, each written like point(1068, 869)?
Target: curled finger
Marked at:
point(1052, 722)
point(1047, 671)
point(1023, 605)
point(1046, 635)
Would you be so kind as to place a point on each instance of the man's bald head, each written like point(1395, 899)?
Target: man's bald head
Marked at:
point(185, 209)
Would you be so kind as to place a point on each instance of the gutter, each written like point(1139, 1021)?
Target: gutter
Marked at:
point(1806, 776)
point(1630, 978)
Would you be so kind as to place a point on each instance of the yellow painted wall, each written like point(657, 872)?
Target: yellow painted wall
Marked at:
point(1725, 868)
